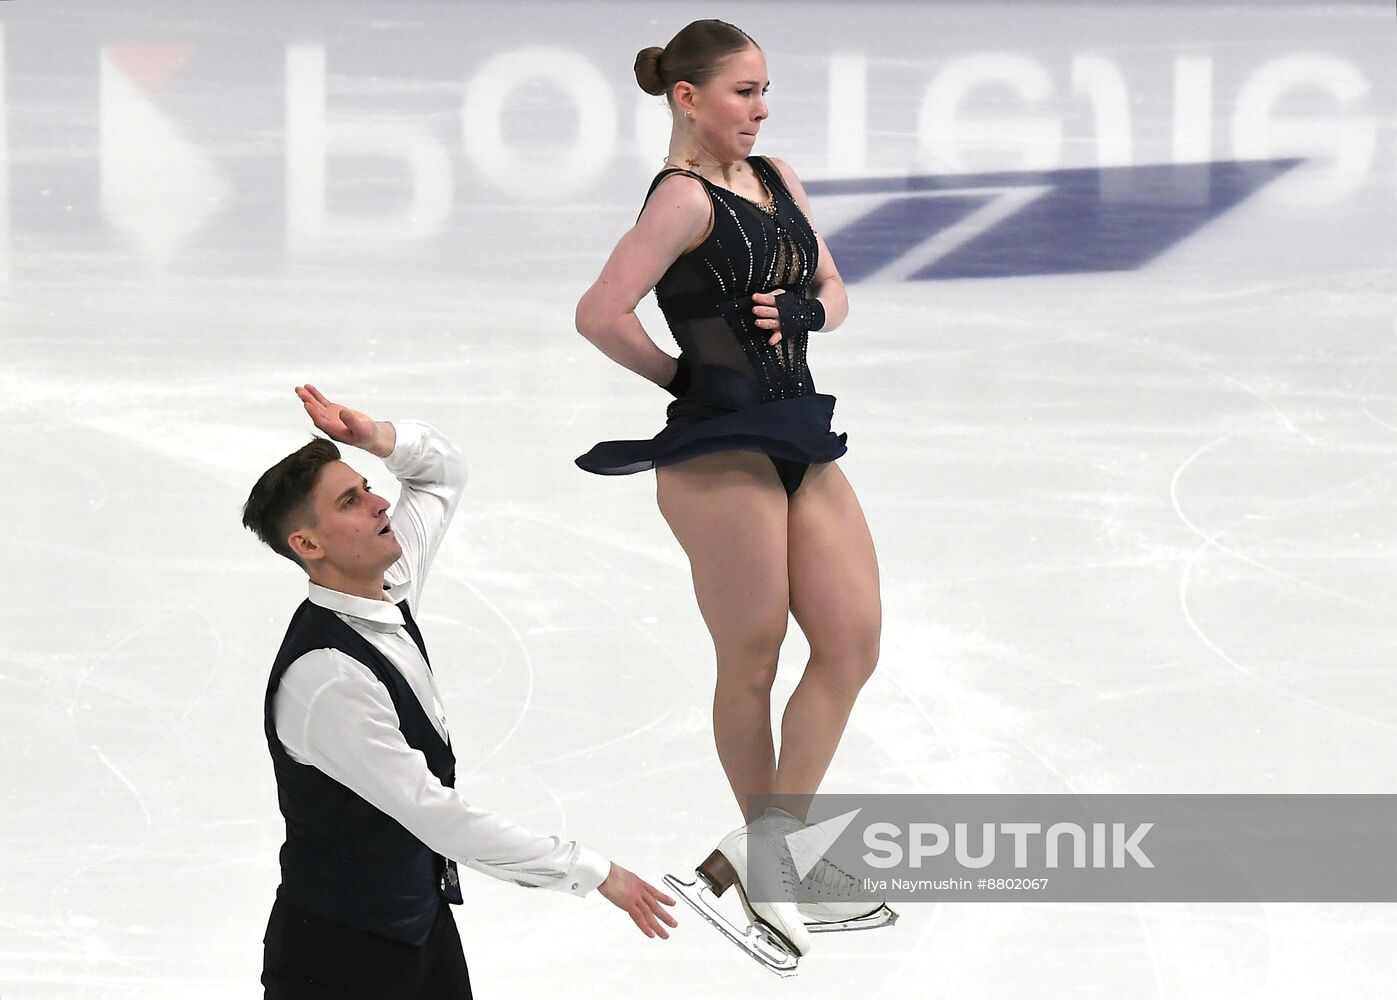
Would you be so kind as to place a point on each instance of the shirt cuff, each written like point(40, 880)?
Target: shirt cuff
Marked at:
point(587, 872)
point(407, 443)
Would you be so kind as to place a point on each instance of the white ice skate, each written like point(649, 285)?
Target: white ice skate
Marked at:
point(775, 935)
point(828, 898)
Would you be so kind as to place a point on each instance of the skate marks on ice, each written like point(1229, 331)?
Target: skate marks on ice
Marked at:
point(1266, 498)
point(1322, 471)
point(113, 812)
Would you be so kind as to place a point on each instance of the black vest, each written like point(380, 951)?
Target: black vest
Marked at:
point(343, 858)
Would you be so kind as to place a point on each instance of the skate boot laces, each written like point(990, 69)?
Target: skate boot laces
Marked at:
point(829, 879)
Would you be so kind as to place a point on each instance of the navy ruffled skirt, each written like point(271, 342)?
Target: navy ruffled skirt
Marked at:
point(724, 411)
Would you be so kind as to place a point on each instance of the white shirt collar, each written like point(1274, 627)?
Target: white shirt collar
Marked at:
point(382, 615)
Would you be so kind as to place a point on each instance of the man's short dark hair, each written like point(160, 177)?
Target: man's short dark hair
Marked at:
point(281, 495)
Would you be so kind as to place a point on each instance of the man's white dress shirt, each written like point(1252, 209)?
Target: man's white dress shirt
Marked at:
point(332, 713)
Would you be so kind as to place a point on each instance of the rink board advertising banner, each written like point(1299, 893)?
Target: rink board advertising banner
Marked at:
point(1091, 848)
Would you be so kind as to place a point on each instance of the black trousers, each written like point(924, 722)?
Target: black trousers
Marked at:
point(306, 957)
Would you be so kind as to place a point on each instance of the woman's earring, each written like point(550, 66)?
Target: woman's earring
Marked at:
point(688, 114)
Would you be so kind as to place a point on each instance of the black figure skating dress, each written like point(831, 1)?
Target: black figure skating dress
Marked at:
point(744, 394)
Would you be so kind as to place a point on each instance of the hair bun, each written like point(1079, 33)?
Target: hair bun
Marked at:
point(647, 70)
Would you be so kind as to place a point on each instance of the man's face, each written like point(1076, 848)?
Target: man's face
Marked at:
point(350, 536)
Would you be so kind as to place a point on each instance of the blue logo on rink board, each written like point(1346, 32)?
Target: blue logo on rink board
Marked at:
point(1004, 225)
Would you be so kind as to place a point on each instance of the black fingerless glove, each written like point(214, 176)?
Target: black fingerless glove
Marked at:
point(798, 313)
point(679, 385)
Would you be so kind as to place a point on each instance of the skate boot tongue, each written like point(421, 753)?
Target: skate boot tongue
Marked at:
point(780, 819)
point(770, 875)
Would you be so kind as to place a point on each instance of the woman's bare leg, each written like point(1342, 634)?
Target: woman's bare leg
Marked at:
point(728, 511)
point(833, 574)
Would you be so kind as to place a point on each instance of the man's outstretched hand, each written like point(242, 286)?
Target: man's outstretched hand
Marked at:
point(340, 423)
point(640, 899)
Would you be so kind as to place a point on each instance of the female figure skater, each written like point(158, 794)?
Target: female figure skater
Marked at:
point(745, 466)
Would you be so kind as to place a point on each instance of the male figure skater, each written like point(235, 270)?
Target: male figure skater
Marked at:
point(363, 759)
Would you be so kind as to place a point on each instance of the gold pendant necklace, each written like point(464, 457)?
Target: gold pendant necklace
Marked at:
point(767, 207)
point(694, 166)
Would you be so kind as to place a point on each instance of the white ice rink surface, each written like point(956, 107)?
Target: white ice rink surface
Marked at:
point(1136, 526)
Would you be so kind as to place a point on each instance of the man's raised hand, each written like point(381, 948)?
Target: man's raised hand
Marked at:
point(340, 423)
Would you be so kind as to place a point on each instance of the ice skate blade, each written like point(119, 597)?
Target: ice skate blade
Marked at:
point(756, 940)
point(882, 917)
